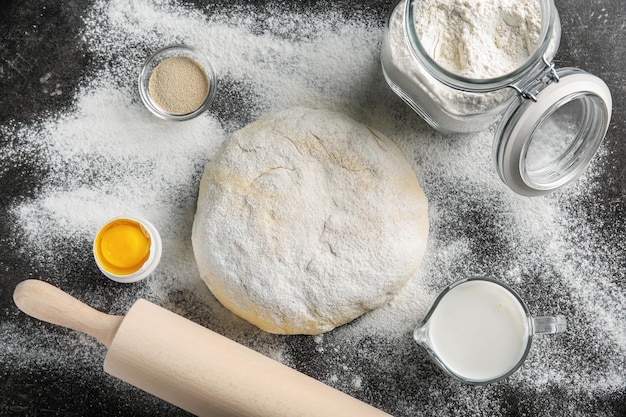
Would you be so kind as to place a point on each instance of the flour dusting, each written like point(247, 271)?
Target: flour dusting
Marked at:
point(108, 156)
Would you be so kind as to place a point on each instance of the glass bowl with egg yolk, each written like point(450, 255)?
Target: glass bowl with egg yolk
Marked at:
point(127, 249)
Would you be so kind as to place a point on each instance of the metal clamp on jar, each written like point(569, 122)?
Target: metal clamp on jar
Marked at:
point(551, 121)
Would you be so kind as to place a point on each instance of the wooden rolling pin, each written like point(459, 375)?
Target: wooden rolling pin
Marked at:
point(188, 365)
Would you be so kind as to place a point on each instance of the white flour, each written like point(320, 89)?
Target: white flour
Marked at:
point(479, 39)
point(450, 109)
point(471, 38)
point(108, 155)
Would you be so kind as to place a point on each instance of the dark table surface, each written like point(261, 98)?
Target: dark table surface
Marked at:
point(47, 60)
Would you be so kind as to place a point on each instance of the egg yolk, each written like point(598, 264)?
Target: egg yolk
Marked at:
point(123, 247)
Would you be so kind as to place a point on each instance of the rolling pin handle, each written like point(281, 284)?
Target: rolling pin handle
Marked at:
point(50, 304)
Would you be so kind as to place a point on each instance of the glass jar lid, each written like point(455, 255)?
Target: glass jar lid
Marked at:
point(547, 138)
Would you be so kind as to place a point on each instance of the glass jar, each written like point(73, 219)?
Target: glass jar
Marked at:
point(551, 121)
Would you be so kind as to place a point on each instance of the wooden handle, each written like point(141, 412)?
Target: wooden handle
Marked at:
point(48, 303)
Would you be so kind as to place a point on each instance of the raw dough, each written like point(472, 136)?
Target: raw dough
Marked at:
point(307, 219)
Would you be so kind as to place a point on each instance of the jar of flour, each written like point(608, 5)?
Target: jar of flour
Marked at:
point(464, 65)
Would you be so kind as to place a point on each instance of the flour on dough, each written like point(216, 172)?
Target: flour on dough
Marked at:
point(307, 219)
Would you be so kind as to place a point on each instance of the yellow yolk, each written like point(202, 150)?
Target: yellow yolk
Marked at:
point(123, 246)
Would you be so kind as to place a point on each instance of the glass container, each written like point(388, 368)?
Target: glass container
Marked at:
point(550, 121)
point(479, 330)
point(172, 51)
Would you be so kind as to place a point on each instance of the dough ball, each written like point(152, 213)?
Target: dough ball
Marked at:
point(307, 219)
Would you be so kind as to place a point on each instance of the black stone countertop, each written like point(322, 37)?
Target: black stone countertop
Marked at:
point(46, 58)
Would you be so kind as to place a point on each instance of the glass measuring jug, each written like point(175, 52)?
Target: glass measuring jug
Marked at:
point(479, 330)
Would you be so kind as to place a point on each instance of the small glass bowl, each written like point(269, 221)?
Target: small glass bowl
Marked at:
point(158, 57)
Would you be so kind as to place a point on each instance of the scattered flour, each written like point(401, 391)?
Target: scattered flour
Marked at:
point(108, 155)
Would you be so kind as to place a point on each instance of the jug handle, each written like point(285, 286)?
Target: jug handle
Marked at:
point(549, 324)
